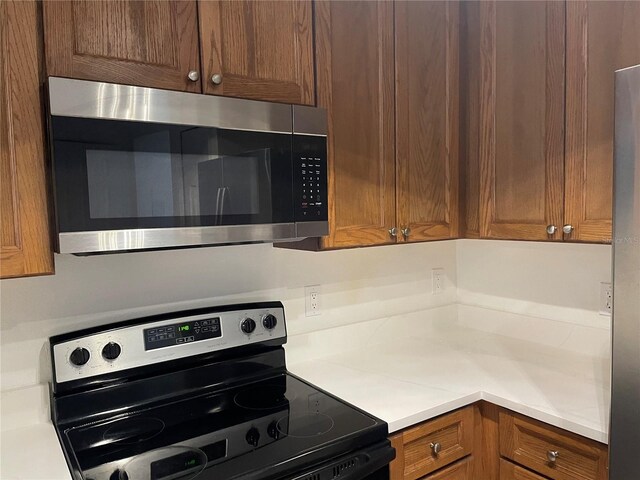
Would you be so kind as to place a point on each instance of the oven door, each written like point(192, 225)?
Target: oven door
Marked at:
point(142, 168)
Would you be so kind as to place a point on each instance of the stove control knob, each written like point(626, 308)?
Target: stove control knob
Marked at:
point(248, 325)
point(272, 430)
point(79, 356)
point(269, 321)
point(111, 351)
point(253, 435)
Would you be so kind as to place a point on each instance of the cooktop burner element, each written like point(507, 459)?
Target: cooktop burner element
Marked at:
point(217, 408)
point(263, 397)
point(133, 430)
point(306, 426)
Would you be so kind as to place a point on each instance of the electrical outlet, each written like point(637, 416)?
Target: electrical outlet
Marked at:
point(312, 300)
point(606, 298)
point(437, 281)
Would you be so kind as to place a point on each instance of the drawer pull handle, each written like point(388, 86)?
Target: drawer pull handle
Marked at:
point(435, 447)
point(552, 456)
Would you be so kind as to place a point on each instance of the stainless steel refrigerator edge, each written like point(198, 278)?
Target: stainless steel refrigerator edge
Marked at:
point(624, 436)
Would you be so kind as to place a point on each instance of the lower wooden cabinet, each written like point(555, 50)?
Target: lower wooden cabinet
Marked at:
point(461, 470)
point(433, 445)
point(550, 451)
point(511, 471)
point(486, 442)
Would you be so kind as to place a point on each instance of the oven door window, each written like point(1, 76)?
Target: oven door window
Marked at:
point(112, 175)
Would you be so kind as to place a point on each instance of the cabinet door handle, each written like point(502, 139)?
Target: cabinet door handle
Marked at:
point(551, 229)
point(193, 75)
point(567, 229)
point(552, 455)
point(216, 79)
point(406, 231)
point(393, 231)
point(435, 447)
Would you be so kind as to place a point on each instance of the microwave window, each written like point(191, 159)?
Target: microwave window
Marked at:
point(151, 184)
point(113, 175)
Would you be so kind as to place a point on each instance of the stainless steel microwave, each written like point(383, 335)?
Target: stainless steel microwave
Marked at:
point(140, 168)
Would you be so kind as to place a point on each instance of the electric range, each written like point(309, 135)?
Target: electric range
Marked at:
point(203, 393)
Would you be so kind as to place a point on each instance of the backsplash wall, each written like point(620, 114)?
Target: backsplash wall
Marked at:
point(356, 285)
point(510, 287)
point(541, 292)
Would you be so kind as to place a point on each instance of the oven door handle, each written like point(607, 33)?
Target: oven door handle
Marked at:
point(357, 465)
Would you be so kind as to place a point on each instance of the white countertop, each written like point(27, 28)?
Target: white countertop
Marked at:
point(415, 375)
point(412, 379)
point(29, 445)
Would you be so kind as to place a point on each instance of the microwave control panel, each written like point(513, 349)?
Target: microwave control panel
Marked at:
point(313, 175)
point(310, 174)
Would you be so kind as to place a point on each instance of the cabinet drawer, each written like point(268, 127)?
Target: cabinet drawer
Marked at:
point(416, 448)
point(511, 471)
point(461, 470)
point(529, 442)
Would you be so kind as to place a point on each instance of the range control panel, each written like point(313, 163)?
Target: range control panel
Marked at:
point(122, 347)
point(178, 333)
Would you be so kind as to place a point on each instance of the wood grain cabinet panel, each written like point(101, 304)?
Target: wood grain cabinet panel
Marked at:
point(416, 455)
point(426, 59)
point(259, 49)
point(601, 38)
point(511, 471)
point(527, 442)
point(521, 111)
point(461, 470)
point(151, 43)
point(355, 83)
point(25, 245)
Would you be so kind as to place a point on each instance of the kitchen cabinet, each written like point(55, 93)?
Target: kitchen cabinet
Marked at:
point(387, 72)
point(601, 37)
point(550, 451)
point(516, 142)
point(433, 445)
point(511, 471)
point(25, 246)
point(537, 116)
point(355, 83)
point(150, 43)
point(258, 49)
point(427, 117)
point(484, 441)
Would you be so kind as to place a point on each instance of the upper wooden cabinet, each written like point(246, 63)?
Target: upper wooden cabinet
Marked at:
point(537, 152)
point(25, 246)
point(519, 103)
point(152, 43)
point(393, 132)
point(427, 117)
point(354, 52)
point(601, 37)
point(258, 49)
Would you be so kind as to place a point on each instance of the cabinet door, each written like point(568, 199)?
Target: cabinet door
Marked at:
point(152, 43)
point(25, 247)
point(356, 85)
point(601, 38)
point(521, 111)
point(258, 49)
point(427, 119)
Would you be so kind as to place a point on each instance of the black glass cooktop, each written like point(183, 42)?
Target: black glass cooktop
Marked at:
point(249, 430)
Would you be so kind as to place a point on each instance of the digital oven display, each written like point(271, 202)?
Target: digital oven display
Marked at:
point(181, 333)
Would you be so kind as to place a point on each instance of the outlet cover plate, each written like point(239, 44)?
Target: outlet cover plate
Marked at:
point(312, 300)
point(606, 298)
